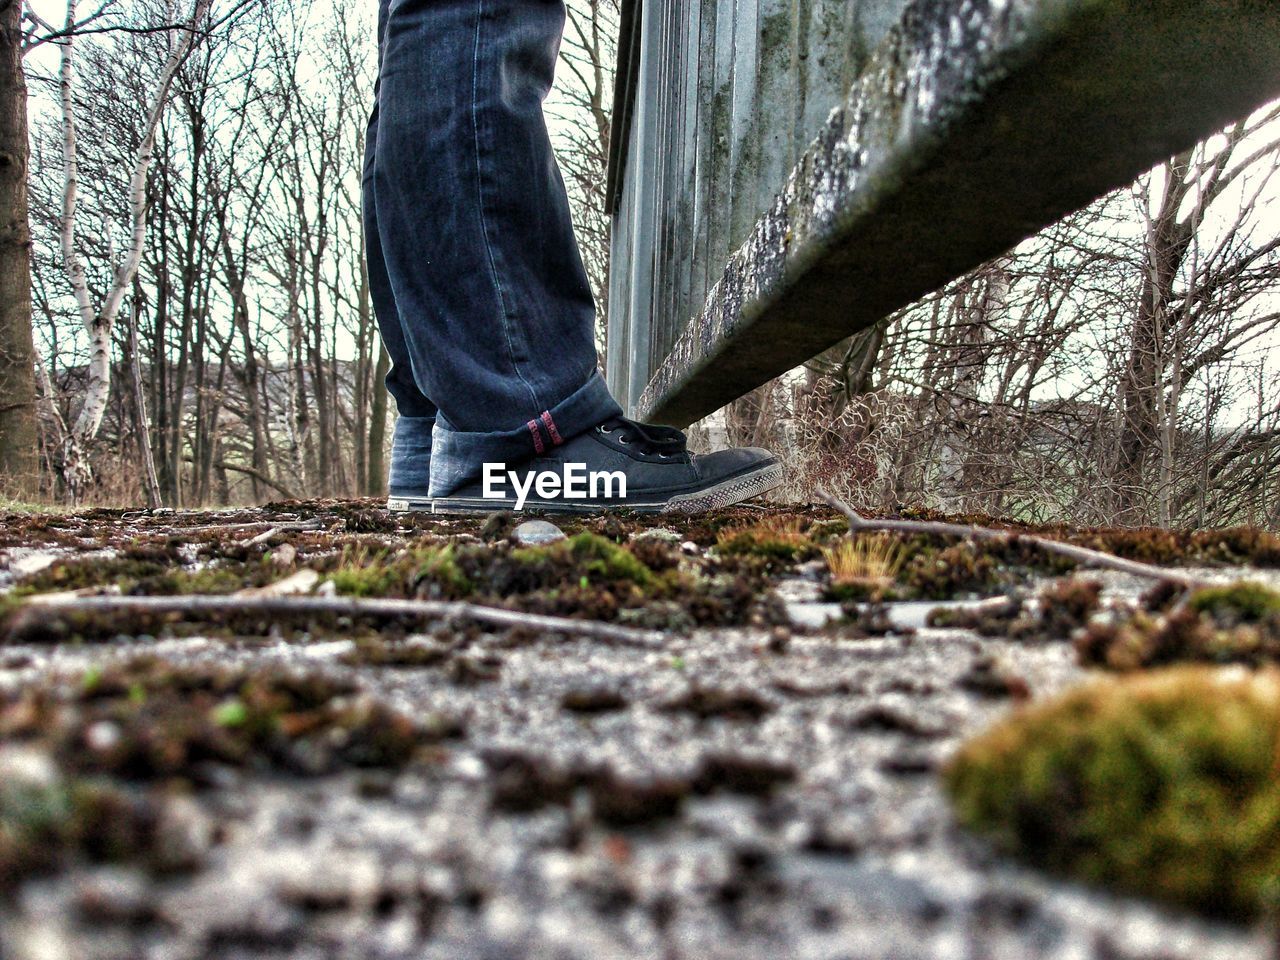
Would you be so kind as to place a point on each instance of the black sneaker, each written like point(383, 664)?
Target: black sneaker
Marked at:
point(621, 464)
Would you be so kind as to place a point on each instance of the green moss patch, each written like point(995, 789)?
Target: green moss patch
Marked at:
point(152, 572)
point(1165, 785)
point(1237, 603)
point(586, 575)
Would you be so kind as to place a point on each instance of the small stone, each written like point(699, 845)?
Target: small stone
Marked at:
point(284, 555)
point(534, 533)
point(690, 548)
point(102, 737)
point(183, 836)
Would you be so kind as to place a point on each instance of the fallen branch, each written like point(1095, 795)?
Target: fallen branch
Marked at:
point(287, 606)
point(271, 527)
point(1082, 555)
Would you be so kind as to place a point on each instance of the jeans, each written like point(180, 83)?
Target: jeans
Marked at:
point(476, 279)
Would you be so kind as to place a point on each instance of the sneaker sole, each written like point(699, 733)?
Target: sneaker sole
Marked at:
point(723, 494)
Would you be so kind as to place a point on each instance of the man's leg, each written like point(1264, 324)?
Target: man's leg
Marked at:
point(494, 304)
point(476, 235)
point(410, 471)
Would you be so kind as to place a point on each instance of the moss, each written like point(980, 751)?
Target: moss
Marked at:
point(778, 542)
point(439, 569)
point(364, 575)
point(211, 580)
point(1163, 785)
point(145, 719)
point(123, 572)
point(969, 568)
point(151, 570)
point(1067, 606)
point(1063, 608)
point(44, 825)
point(12, 601)
point(1224, 547)
point(607, 574)
point(1235, 623)
point(604, 560)
point(957, 569)
point(707, 702)
point(380, 652)
point(658, 555)
point(1244, 602)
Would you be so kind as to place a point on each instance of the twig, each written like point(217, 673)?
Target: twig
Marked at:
point(1082, 555)
point(347, 606)
point(272, 527)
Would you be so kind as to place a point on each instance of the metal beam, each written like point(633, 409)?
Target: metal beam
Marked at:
point(972, 125)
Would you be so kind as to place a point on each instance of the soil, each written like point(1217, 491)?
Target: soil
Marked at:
point(762, 783)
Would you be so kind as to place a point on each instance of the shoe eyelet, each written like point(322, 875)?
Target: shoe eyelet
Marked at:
point(602, 430)
point(623, 440)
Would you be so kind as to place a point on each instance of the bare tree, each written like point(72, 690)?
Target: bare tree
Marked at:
point(18, 465)
point(99, 320)
point(581, 107)
point(1098, 374)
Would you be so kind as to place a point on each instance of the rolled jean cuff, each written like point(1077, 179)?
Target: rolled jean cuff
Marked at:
point(410, 470)
point(458, 457)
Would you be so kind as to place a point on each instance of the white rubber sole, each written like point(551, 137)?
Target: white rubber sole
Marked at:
point(726, 493)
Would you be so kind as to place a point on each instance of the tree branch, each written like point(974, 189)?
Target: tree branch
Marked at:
point(1082, 555)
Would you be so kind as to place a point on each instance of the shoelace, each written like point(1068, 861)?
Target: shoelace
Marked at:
point(649, 438)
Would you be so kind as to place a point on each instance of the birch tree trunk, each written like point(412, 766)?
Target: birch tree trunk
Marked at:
point(18, 467)
point(99, 323)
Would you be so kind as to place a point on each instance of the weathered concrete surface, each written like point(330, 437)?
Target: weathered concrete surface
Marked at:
point(817, 829)
point(975, 123)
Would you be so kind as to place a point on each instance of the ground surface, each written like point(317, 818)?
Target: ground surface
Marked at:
point(753, 783)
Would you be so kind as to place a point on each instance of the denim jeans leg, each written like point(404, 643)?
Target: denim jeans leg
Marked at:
point(494, 302)
point(410, 466)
